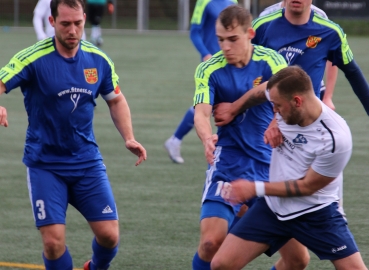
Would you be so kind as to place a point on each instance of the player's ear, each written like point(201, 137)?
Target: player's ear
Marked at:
point(297, 101)
point(52, 21)
point(251, 32)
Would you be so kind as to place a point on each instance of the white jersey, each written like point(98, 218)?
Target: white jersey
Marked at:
point(325, 146)
point(278, 6)
point(41, 22)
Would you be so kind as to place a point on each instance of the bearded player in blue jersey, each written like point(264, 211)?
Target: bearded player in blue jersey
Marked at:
point(238, 148)
point(60, 79)
point(202, 34)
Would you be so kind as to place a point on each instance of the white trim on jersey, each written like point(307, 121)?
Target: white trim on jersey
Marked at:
point(325, 146)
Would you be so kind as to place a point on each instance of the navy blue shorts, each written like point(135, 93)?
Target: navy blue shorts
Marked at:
point(324, 232)
point(88, 190)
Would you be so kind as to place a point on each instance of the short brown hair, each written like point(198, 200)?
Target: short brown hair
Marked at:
point(291, 80)
point(235, 15)
point(54, 4)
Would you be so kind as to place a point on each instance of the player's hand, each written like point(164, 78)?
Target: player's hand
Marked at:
point(206, 57)
point(329, 103)
point(223, 114)
point(210, 148)
point(137, 149)
point(238, 191)
point(273, 135)
point(3, 117)
point(110, 8)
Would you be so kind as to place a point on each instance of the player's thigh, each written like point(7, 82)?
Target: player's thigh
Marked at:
point(48, 195)
point(236, 252)
point(353, 261)
point(325, 232)
point(215, 219)
point(93, 197)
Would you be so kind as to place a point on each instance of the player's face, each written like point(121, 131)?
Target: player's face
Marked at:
point(235, 43)
point(69, 26)
point(297, 7)
point(286, 108)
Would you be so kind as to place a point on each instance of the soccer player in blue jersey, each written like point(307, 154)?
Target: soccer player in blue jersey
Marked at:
point(202, 34)
point(238, 148)
point(300, 200)
point(60, 79)
point(331, 72)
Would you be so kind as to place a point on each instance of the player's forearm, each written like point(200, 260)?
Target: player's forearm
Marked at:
point(2, 88)
point(121, 116)
point(195, 36)
point(203, 126)
point(331, 78)
point(38, 26)
point(251, 98)
point(291, 188)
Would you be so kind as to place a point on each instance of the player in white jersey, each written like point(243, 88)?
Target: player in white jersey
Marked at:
point(41, 23)
point(301, 198)
point(331, 71)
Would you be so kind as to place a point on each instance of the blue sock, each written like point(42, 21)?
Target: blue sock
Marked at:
point(64, 262)
point(186, 125)
point(273, 268)
point(198, 264)
point(102, 256)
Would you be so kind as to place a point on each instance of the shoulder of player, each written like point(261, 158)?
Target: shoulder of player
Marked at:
point(216, 62)
point(268, 55)
point(319, 11)
point(88, 47)
point(325, 22)
point(34, 52)
point(267, 18)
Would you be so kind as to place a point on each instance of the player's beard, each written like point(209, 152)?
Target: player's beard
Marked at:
point(294, 117)
point(66, 45)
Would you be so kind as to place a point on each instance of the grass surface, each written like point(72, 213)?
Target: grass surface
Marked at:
point(158, 201)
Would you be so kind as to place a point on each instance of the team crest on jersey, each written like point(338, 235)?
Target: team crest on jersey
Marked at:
point(300, 139)
point(91, 75)
point(257, 81)
point(312, 42)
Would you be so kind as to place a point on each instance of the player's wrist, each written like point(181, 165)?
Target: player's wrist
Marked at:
point(260, 188)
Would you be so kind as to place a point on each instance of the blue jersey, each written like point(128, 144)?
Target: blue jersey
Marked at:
point(59, 97)
point(217, 81)
point(309, 45)
point(203, 20)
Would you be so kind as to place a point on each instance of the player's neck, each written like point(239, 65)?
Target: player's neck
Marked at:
point(246, 58)
point(312, 111)
point(66, 53)
point(297, 19)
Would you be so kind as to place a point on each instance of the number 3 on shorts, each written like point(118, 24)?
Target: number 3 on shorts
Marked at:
point(41, 209)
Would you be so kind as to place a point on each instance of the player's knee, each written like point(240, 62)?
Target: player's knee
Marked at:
point(53, 247)
point(298, 263)
point(218, 264)
point(108, 240)
point(210, 246)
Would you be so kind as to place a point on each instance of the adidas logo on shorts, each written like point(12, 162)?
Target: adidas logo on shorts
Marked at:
point(107, 210)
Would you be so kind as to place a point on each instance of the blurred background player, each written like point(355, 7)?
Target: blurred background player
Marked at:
point(40, 20)
point(95, 13)
point(41, 23)
point(331, 72)
point(202, 34)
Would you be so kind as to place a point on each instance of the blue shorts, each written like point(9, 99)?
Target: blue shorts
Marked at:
point(230, 165)
point(88, 190)
point(324, 232)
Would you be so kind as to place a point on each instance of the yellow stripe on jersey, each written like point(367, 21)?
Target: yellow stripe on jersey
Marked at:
point(275, 60)
point(202, 75)
point(88, 47)
point(199, 11)
point(25, 58)
point(267, 18)
point(347, 55)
